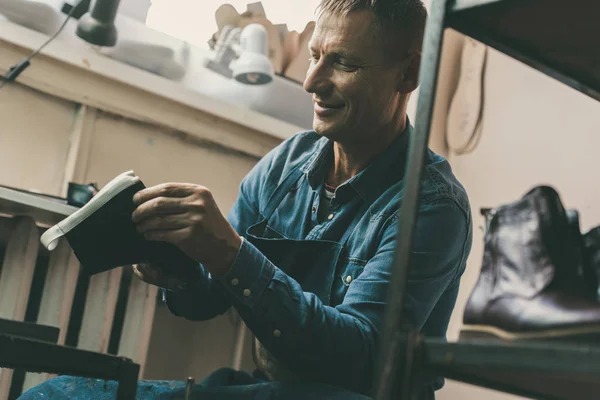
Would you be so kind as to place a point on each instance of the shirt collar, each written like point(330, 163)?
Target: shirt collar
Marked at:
point(368, 183)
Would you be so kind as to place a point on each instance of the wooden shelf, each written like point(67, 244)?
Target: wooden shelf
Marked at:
point(558, 38)
point(44, 211)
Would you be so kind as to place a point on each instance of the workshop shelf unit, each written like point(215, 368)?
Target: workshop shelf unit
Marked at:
point(33, 347)
point(561, 39)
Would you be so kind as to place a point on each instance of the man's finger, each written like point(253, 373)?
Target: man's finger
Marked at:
point(163, 190)
point(158, 206)
point(137, 271)
point(145, 272)
point(163, 222)
point(172, 236)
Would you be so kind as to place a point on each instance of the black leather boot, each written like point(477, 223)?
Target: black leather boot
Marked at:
point(531, 283)
point(582, 266)
point(591, 242)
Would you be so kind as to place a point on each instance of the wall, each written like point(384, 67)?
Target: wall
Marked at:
point(34, 140)
point(535, 131)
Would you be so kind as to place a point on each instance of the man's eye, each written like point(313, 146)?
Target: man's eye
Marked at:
point(347, 66)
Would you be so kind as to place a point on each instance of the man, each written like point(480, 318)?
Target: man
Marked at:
point(307, 251)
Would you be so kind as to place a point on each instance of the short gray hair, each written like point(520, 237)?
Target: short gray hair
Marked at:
point(401, 23)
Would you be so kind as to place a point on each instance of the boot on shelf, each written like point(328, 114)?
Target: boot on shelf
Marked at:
point(591, 243)
point(582, 264)
point(532, 284)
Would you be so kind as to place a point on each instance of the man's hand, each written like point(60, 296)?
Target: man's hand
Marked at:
point(154, 275)
point(187, 216)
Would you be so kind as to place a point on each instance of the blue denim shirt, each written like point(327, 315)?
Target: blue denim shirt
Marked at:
point(337, 342)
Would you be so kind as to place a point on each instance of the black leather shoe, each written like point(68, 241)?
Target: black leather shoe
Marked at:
point(531, 284)
point(591, 243)
point(582, 266)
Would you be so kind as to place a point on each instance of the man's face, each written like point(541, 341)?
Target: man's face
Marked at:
point(354, 88)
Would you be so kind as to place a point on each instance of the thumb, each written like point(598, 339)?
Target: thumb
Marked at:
point(146, 272)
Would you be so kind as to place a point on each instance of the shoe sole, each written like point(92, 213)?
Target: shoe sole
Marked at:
point(492, 332)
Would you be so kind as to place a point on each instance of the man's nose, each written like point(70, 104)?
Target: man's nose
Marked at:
point(317, 79)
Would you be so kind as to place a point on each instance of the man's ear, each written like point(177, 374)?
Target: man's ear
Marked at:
point(409, 78)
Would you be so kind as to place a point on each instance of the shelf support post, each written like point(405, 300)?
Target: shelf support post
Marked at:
point(392, 350)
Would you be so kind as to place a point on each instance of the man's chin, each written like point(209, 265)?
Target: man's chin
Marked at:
point(329, 131)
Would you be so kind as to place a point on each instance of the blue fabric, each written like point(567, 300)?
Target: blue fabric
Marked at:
point(67, 387)
point(337, 342)
point(223, 384)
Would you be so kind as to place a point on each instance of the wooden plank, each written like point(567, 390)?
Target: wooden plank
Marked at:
point(57, 298)
point(15, 279)
point(43, 210)
point(80, 145)
point(241, 331)
point(17, 268)
point(137, 327)
point(99, 311)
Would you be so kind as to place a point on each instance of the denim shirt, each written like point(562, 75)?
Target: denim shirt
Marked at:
point(338, 342)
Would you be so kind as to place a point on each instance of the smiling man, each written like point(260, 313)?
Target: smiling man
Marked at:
point(307, 251)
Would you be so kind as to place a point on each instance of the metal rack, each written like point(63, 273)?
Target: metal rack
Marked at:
point(562, 40)
point(35, 355)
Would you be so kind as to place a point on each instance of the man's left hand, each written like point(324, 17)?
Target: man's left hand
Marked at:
point(187, 216)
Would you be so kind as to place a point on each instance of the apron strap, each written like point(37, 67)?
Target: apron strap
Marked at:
point(280, 192)
point(288, 182)
point(359, 216)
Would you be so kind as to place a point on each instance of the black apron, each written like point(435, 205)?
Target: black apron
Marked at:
point(312, 263)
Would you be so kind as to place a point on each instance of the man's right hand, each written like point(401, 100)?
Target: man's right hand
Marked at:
point(155, 275)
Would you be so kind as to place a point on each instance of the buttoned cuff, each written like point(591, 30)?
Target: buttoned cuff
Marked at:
point(249, 276)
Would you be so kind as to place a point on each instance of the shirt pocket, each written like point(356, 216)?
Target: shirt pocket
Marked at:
point(348, 271)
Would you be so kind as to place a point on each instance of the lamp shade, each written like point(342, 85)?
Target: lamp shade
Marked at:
point(98, 25)
point(253, 67)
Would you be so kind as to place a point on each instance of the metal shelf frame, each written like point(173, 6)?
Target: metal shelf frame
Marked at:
point(34, 355)
point(527, 369)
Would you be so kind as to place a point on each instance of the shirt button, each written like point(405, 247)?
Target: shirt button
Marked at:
point(330, 217)
point(235, 282)
point(348, 279)
point(247, 292)
point(314, 209)
point(277, 333)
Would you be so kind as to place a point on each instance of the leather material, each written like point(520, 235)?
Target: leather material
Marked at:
point(533, 275)
point(583, 266)
point(591, 242)
point(550, 310)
